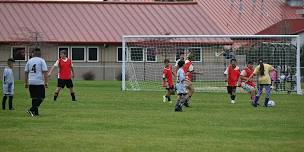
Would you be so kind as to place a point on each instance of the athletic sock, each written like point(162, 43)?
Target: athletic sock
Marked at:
point(10, 102)
point(55, 96)
point(169, 98)
point(4, 102)
point(266, 102)
point(73, 96)
point(232, 97)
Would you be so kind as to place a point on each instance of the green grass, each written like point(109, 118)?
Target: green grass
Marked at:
point(106, 119)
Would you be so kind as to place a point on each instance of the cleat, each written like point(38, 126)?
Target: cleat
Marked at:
point(232, 101)
point(186, 104)
point(30, 113)
point(164, 99)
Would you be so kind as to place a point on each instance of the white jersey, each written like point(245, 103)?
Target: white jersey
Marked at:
point(35, 68)
point(8, 81)
point(180, 85)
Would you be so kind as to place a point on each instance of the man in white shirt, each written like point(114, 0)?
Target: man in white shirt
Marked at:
point(36, 79)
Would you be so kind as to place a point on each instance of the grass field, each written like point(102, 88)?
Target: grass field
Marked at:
point(106, 119)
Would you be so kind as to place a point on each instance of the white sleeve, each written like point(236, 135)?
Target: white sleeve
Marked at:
point(191, 68)
point(26, 67)
point(243, 73)
point(56, 63)
point(226, 71)
point(44, 66)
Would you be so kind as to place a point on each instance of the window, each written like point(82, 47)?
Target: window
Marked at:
point(196, 53)
point(179, 51)
point(19, 53)
point(78, 53)
point(60, 48)
point(93, 54)
point(137, 54)
point(151, 55)
point(119, 54)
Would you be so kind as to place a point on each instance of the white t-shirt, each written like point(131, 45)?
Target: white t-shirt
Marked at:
point(180, 85)
point(35, 68)
point(8, 81)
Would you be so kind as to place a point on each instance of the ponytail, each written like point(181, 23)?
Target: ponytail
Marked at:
point(262, 70)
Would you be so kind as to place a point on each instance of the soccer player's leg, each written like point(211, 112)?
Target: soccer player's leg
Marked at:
point(69, 84)
point(170, 91)
point(259, 93)
point(60, 86)
point(190, 90)
point(268, 91)
point(4, 102)
point(10, 102)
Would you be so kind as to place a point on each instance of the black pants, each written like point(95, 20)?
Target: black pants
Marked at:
point(35, 105)
point(37, 94)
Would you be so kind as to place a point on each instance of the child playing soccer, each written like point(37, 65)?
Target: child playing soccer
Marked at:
point(8, 85)
point(248, 86)
point(233, 73)
point(180, 87)
point(168, 81)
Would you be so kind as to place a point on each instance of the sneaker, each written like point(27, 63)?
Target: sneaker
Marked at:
point(170, 101)
point(164, 99)
point(232, 101)
point(254, 104)
point(186, 104)
point(30, 113)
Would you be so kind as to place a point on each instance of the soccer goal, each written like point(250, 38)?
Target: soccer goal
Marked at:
point(143, 57)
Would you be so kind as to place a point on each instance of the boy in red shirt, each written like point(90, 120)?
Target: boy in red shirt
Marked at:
point(65, 74)
point(168, 80)
point(233, 73)
point(248, 86)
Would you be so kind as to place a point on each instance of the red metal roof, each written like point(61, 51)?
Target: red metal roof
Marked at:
point(247, 16)
point(288, 26)
point(95, 22)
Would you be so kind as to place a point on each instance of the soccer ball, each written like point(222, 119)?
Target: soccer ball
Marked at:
point(271, 103)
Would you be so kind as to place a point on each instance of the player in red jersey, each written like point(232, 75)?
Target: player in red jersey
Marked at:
point(248, 86)
point(189, 71)
point(233, 73)
point(168, 80)
point(65, 74)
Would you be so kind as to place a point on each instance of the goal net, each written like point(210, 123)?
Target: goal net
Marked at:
point(143, 59)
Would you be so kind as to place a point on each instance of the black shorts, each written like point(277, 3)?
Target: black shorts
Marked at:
point(37, 91)
point(231, 89)
point(62, 83)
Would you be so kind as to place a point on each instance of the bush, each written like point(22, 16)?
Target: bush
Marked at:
point(88, 76)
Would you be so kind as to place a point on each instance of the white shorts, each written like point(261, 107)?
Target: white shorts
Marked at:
point(247, 87)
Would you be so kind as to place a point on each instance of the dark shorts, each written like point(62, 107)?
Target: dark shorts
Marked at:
point(62, 83)
point(231, 89)
point(37, 91)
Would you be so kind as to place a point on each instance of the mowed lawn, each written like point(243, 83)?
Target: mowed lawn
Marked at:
point(107, 119)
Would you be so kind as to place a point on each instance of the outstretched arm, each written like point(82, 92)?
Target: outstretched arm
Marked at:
point(52, 68)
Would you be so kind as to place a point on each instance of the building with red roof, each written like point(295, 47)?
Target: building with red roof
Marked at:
point(92, 31)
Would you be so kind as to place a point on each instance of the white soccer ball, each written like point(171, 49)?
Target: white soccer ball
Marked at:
point(271, 103)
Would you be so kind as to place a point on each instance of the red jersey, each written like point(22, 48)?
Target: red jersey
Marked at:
point(233, 75)
point(167, 73)
point(188, 70)
point(65, 69)
point(248, 73)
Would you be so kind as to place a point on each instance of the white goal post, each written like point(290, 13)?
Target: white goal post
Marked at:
point(143, 56)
